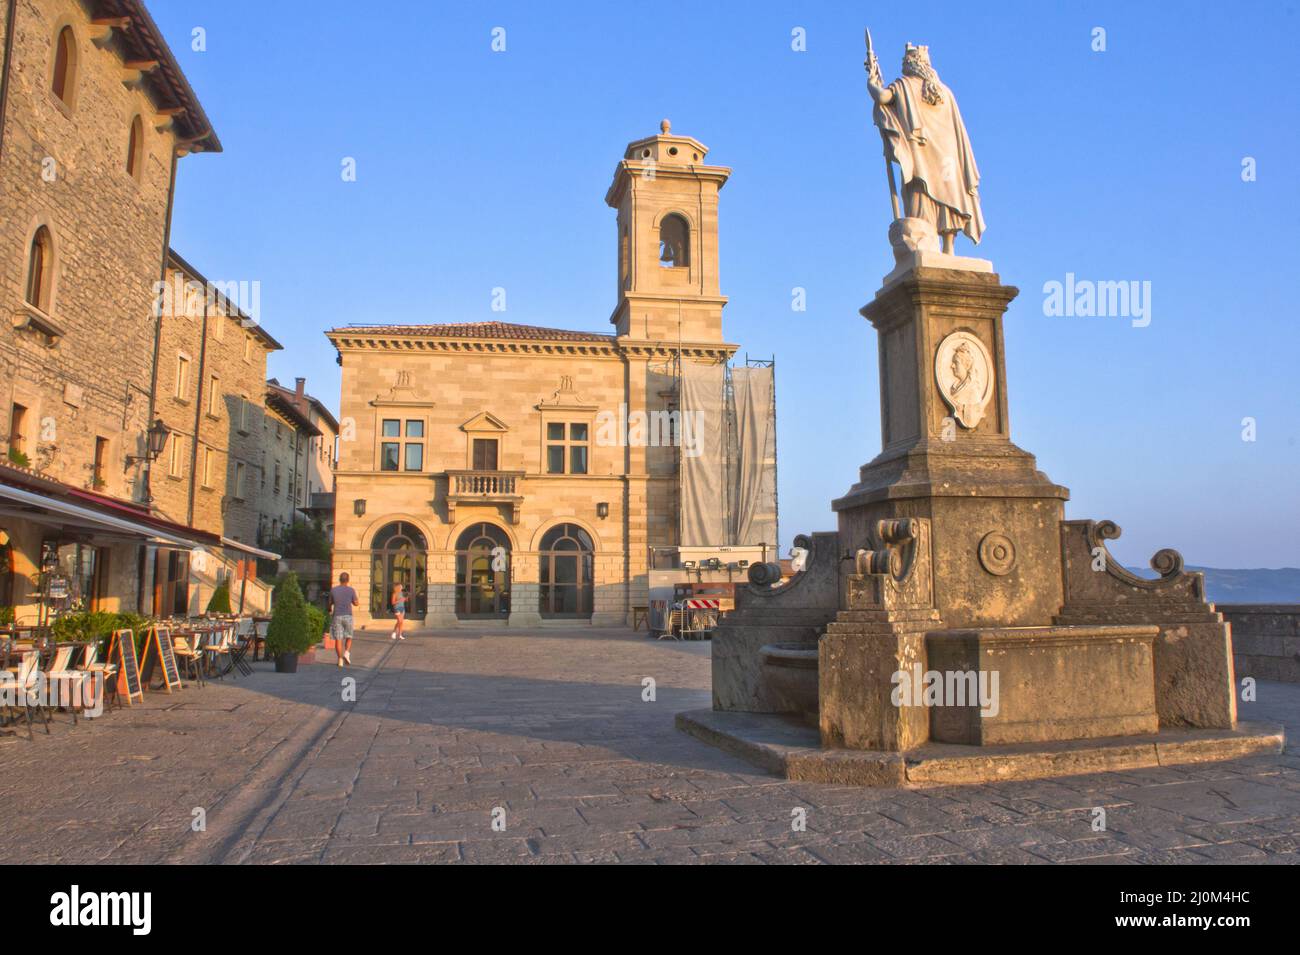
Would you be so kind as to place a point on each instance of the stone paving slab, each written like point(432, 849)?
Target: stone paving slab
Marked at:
point(550, 731)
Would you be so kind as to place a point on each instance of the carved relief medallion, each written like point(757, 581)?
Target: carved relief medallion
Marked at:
point(963, 370)
point(997, 554)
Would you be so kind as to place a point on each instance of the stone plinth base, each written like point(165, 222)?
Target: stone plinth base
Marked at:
point(1043, 683)
point(787, 747)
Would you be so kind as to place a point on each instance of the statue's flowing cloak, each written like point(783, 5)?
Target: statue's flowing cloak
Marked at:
point(908, 120)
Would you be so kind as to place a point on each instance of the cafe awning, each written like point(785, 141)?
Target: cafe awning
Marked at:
point(40, 508)
point(247, 549)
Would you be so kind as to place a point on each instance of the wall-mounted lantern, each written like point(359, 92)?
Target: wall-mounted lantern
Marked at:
point(157, 435)
point(359, 507)
point(602, 509)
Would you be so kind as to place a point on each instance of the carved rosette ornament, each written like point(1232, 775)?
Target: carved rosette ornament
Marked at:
point(997, 554)
point(963, 370)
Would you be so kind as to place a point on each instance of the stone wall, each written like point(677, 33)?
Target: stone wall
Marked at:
point(64, 168)
point(1265, 640)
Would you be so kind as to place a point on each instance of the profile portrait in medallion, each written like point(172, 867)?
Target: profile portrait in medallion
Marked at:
point(963, 371)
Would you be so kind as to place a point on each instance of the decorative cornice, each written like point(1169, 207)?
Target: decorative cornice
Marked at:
point(360, 341)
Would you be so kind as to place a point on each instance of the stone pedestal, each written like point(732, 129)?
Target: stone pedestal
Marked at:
point(948, 456)
point(860, 653)
point(1195, 683)
point(888, 596)
point(1030, 684)
point(953, 558)
point(766, 615)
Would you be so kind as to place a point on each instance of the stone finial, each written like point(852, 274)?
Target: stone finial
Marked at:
point(665, 127)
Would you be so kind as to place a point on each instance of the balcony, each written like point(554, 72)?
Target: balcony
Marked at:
point(484, 487)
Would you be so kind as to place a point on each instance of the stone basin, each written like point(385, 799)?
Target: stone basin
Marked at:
point(790, 674)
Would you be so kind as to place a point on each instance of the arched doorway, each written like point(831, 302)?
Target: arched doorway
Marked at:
point(398, 555)
point(482, 572)
point(566, 572)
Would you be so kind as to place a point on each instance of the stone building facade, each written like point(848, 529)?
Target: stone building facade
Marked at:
point(94, 113)
point(211, 395)
point(287, 436)
point(478, 466)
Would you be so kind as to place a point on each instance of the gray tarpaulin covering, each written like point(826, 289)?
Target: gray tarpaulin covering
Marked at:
point(704, 510)
point(729, 488)
point(753, 492)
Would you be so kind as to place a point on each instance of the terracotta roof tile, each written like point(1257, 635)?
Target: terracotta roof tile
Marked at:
point(497, 330)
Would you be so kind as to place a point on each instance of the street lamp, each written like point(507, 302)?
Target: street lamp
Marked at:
point(157, 435)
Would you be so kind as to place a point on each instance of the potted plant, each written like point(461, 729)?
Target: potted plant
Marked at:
point(220, 601)
point(316, 628)
point(289, 634)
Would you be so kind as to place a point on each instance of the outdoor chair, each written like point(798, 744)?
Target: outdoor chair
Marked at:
point(65, 685)
point(217, 647)
point(19, 691)
point(107, 673)
point(245, 637)
point(189, 653)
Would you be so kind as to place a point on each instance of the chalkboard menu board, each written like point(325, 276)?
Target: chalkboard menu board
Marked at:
point(122, 649)
point(158, 645)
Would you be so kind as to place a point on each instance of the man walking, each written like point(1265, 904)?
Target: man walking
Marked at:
point(342, 599)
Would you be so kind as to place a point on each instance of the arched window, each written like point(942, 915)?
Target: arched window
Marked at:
point(566, 572)
point(482, 572)
point(398, 555)
point(39, 270)
point(674, 242)
point(135, 150)
point(65, 65)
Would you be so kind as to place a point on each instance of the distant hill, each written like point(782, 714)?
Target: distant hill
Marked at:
point(1258, 586)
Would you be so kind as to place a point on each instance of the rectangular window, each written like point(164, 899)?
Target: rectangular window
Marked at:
point(567, 444)
point(391, 428)
point(207, 467)
point(485, 454)
point(239, 479)
point(219, 327)
point(182, 377)
point(415, 429)
point(414, 457)
point(214, 396)
point(176, 460)
point(248, 348)
point(18, 429)
point(276, 488)
point(389, 452)
point(101, 463)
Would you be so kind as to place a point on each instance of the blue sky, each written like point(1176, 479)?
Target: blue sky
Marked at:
point(478, 169)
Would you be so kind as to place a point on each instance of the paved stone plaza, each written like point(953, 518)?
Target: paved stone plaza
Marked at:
point(551, 727)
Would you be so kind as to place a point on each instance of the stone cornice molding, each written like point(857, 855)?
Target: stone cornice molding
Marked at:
point(616, 349)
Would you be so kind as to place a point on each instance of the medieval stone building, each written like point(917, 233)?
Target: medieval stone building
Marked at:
point(94, 114)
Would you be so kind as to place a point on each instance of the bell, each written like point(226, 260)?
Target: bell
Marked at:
point(666, 253)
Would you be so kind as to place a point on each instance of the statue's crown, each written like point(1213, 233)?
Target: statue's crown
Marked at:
point(920, 52)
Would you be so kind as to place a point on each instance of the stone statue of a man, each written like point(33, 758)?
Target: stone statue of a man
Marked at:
point(924, 134)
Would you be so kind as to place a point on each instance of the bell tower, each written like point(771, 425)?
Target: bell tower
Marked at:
point(667, 203)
